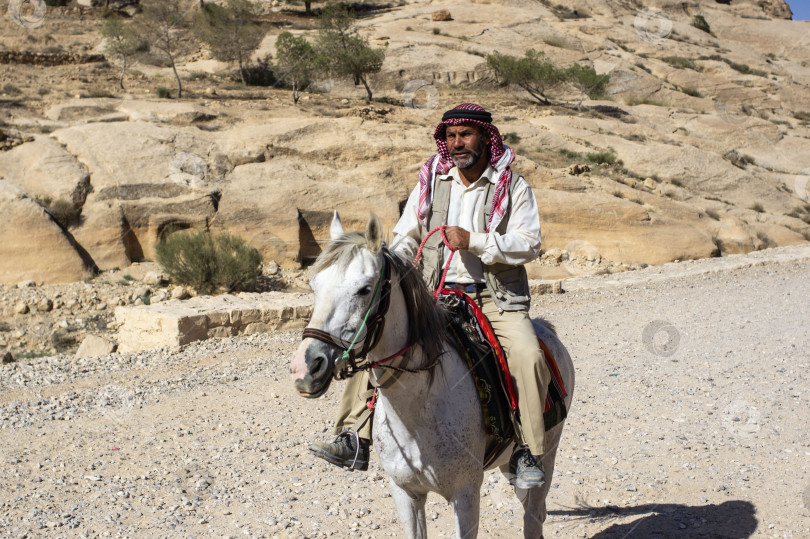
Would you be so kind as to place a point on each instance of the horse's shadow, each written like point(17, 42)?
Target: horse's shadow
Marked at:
point(732, 519)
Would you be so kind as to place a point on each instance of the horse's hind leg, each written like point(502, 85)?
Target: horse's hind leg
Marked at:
point(411, 509)
point(466, 506)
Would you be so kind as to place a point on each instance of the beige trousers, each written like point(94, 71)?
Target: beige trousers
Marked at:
point(526, 363)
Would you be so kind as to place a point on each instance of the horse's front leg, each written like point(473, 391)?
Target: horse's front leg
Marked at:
point(411, 509)
point(466, 505)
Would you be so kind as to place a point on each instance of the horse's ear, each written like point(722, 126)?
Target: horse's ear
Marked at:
point(374, 233)
point(336, 228)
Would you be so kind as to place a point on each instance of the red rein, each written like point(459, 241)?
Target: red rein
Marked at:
point(439, 229)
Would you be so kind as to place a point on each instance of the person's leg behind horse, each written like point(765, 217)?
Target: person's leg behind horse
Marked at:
point(529, 371)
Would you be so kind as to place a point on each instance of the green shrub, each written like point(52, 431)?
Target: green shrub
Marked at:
point(511, 138)
point(700, 22)
point(682, 63)
point(690, 90)
point(62, 341)
point(757, 207)
point(436, 31)
point(208, 263)
point(600, 158)
point(744, 69)
point(568, 154)
point(163, 92)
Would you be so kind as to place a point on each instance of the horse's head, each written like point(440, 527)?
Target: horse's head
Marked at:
point(346, 280)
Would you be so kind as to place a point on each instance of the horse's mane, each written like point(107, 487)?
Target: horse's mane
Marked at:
point(426, 320)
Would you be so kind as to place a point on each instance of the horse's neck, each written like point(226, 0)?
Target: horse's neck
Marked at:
point(392, 340)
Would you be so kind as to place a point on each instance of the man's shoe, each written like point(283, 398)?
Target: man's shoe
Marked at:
point(527, 472)
point(344, 452)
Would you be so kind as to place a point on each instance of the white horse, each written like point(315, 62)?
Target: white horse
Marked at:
point(428, 428)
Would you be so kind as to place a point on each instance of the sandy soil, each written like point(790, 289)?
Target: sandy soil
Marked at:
point(690, 420)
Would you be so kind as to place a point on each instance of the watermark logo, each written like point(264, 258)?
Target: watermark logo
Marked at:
point(653, 25)
point(730, 114)
point(115, 403)
point(502, 495)
point(27, 13)
point(661, 338)
point(420, 94)
point(741, 419)
point(188, 168)
point(801, 185)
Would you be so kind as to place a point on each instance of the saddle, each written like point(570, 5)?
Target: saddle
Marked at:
point(481, 350)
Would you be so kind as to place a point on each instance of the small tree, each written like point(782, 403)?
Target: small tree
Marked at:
point(533, 73)
point(585, 79)
point(230, 31)
point(163, 25)
point(297, 62)
point(344, 51)
point(120, 40)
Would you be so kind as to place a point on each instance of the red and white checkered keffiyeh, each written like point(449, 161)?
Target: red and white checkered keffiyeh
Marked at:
point(501, 157)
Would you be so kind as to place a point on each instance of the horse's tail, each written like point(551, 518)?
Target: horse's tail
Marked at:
point(548, 325)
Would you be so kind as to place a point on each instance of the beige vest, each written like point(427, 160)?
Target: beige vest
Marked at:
point(508, 285)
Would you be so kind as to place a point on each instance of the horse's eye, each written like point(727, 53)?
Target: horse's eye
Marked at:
point(365, 291)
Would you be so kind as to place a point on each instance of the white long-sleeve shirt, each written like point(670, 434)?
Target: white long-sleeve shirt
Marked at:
point(518, 245)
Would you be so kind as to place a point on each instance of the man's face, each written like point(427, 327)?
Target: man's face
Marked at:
point(466, 144)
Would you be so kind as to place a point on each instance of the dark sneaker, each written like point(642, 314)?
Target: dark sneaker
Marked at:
point(344, 452)
point(528, 473)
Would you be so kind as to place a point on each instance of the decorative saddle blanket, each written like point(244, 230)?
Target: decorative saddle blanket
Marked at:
point(485, 357)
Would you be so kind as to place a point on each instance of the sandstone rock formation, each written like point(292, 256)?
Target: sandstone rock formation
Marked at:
point(681, 100)
point(32, 245)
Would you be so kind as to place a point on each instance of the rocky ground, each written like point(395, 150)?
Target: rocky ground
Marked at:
point(689, 420)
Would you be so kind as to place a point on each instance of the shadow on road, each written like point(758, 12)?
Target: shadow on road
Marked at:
point(734, 519)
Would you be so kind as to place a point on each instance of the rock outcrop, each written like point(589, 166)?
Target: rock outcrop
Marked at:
point(32, 245)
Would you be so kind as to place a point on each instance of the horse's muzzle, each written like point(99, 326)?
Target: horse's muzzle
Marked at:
point(312, 368)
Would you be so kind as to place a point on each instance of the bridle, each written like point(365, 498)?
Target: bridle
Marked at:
point(374, 328)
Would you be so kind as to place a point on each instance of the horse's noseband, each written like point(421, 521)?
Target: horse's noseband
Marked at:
point(374, 329)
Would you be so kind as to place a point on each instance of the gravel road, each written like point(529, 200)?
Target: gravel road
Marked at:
point(691, 420)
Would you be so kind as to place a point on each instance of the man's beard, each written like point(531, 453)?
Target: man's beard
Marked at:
point(463, 163)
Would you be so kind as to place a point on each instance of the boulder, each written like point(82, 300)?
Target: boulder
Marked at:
point(32, 245)
point(45, 170)
point(95, 346)
point(441, 15)
point(45, 305)
point(154, 278)
point(180, 292)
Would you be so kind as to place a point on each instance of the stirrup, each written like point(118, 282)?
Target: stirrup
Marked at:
point(356, 435)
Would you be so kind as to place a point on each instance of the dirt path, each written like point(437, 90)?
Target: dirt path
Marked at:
point(690, 420)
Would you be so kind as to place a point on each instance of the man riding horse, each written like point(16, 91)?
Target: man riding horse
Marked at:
point(493, 222)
